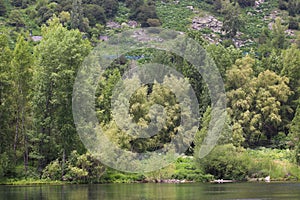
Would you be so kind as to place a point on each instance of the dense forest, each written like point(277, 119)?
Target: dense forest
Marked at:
point(254, 44)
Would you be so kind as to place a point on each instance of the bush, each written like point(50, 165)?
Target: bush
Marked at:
point(7, 167)
point(293, 24)
point(16, 19)
point(95, 14)
point(227, 43)
point(79, 168)
point(279, 164)
point(113, 176)
point(153, 22)
point(283, 5)
point(226, 162)
point(83, 168)
point(4, 163)
point(53, 171)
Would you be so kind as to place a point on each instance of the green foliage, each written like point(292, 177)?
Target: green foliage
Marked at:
point(54, 81)
point(293, 23)
point(110, 7)
point(283, 4)
point(140, 104)
point(3, 8)
point(16, 19)
point(77, 15)
point(175, 16)
point(293, 7)
point(279, 164)
point(233, 21)
point(95, 14)
point(225, 162)
point(255, 102)
point(5, 165)
point(6, 106)
point(295, 135)
point(104, 93)
point(143, 13)
point(37, 132)
point(228, 162)
point(78, 168)
point(53, 171)
point(161, 174)
point(113, 176)
point(153, 22)
point(279, 36)
point(273, 61)
point(223, 57)
point(185, 169)
point(291, 67)
point(22, 68)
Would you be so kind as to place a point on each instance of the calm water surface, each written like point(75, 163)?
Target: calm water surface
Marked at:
point(253, 191)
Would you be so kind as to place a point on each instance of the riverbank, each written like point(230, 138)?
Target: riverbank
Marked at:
point(249, 165)
point(167, 181)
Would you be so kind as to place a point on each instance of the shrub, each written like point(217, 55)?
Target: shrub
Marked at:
point(153, 22)
point(53, 171)
point(78, 168)
point(293, 24)
point(95, 14)
point(16, 18)
point(7, 167)
point(283, 5)
point(226, 162)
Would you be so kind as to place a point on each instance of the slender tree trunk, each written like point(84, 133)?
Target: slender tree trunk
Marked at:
point(63, 164)
point(16, 135)
point(25, 140)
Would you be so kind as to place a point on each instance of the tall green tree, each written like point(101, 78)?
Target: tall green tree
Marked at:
point(278, 35)
point(6, 108)
point(233, 21)
point(77, 14)
point(22, 66)
point(59, 55)
point(256, 102)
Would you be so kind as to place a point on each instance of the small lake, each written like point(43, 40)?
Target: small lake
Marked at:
point(253, 191)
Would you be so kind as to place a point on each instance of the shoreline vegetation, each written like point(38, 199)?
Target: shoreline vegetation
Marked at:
point(31, 182)
point(266, 166)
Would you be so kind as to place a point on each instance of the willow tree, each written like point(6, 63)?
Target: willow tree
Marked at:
point(256, 102)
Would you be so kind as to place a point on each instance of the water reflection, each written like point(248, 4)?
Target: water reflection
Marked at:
point(153, 191)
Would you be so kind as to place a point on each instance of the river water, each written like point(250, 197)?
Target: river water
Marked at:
point(189, 191)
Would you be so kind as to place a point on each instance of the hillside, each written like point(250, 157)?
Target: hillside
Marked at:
point(97, 17)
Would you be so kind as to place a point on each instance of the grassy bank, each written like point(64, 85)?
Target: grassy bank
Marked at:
point(30, 182)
